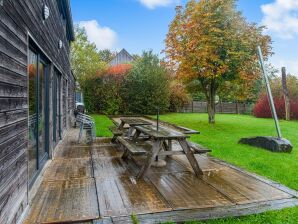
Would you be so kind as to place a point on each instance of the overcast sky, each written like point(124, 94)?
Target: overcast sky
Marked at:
point(138, 25)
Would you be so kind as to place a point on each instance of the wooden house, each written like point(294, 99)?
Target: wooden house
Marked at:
point(123, 57)
point(36, 95)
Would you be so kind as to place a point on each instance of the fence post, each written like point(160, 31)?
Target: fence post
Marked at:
point(237, 111)
point(192, 106)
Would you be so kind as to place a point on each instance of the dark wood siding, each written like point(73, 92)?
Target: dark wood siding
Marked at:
point(19, 21)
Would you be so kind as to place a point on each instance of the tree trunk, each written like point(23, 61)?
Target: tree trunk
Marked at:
point(211, 102)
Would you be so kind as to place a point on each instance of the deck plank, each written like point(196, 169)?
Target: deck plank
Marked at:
point(186, 191)
point(64, 201)
point(172, 166)
point(65, 169)
point(106, 151)
point(205, 163)
point(106, 167)
point(242, 188)
point(126, 195)
point(73, 152)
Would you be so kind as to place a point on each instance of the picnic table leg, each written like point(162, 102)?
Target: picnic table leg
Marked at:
point(114, 138)
point(125, 154)
point(150, 158)
point(191, 158)
point(165, 146)
point(130, 131)
point(120, 127)
point(170, 145)
point(136, 135)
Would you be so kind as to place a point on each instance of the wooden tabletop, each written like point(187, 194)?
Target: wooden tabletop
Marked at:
point(161, 133)
point(134, 121)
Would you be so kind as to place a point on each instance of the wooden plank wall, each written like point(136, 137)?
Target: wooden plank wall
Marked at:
point(221, 107)
point(123, 57)
point(17, 19)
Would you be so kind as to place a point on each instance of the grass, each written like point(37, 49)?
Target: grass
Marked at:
point(223, 139)
point(285, 216)
point(102, 125)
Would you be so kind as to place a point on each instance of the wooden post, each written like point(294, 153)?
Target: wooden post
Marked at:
point(286, 93)
point(192, 106)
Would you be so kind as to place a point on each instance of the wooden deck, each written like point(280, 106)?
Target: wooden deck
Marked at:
point(92, 184)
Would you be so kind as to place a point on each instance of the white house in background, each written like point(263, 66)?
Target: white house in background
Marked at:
point(123, 57)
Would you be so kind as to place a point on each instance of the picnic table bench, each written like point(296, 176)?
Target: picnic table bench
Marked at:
point(116, 132)
point(132, 147)
point(197, 148)
point(160, 139)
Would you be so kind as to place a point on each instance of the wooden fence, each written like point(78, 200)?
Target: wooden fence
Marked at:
point(221, 107)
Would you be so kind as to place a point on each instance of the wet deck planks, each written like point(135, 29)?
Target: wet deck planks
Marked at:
point(64, 201)
point(172, 166)
point(66, 169)
point(106, 167)
point(73, 152)
point(126, 195)
point(186, 191)
point(241, 188)
point(106, 151)
point(86, 182)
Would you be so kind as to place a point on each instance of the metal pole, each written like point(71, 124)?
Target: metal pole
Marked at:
point(157, 119)
point(271, 102)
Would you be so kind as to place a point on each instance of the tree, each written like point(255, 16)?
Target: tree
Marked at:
point(211, 41)
point(106, 55)
point(292, 84)
point(85, 59)
point(146, 86)
point(178, 95)
point(120, 69)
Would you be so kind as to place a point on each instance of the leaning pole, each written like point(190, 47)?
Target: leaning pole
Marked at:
point(274, 144)
point(269, 93)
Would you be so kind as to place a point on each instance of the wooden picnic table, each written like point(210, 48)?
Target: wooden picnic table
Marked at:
point(119, 131)
point(162, 139)
point(132, 122)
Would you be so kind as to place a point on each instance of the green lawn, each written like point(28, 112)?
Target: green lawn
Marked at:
point(102, 125)
point(223, 139)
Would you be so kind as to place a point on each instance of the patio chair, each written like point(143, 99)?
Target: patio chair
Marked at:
point(86, 123)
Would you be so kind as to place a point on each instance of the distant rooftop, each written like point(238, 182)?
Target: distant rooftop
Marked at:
point(123, 57)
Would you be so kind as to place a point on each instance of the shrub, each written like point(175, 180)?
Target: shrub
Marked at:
point(262, 108)
point(146, 86)
point(178, 96)
point(120, 69)
point(101, 94)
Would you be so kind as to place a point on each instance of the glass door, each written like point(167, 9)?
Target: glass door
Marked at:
point(33, 104)
point(56, 99)
point(38, 113)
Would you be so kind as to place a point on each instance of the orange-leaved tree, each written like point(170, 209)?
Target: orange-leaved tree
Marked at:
point(120, 69)
point(210, 41)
